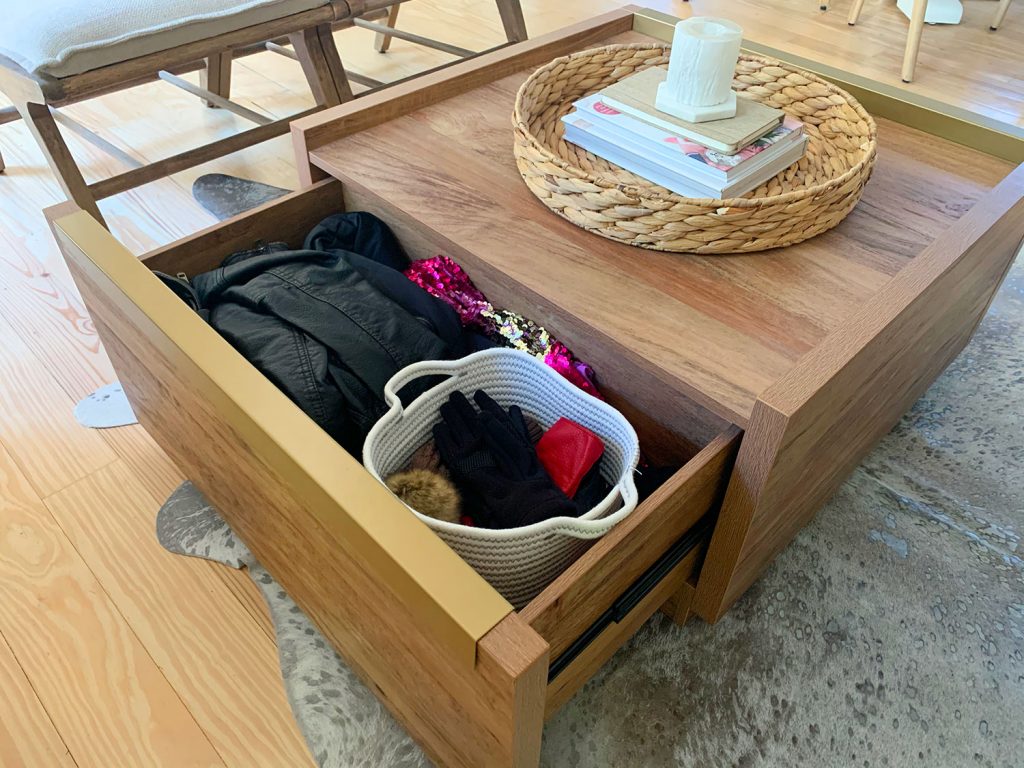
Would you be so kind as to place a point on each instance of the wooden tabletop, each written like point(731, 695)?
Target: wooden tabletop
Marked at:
point(718, 329)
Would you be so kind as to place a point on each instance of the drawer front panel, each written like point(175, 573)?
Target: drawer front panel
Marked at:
point(674, 586)
point(591, 586)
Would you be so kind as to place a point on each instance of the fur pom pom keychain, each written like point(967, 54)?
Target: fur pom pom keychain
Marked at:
point(429, 493)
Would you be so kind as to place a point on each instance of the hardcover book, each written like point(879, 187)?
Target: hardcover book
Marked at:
point(593, 137)
point(683, 154)
point(635, 96)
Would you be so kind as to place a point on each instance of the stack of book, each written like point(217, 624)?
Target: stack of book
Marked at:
point(714, 159)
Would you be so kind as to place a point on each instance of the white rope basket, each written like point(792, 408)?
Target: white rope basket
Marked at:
point(518, 562)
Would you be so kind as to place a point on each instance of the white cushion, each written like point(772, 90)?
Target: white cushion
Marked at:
point(67, 37)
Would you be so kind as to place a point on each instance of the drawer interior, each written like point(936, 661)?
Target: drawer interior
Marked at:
point(673, 431)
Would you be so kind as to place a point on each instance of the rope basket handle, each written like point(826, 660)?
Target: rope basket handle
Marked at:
point(566, 526)
point(409, 374)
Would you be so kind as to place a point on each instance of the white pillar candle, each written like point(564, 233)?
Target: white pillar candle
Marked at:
point(700, 70)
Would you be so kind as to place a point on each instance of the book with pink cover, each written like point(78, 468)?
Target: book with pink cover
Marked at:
point(685, 153)
point(595, 137)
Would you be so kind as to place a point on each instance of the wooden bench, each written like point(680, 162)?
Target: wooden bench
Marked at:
point(37, 94)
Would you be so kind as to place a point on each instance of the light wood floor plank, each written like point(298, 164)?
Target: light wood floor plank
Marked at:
point(154, 470)
point(147, 461)
point(37, 424)
point(213, 653)
point(42, 305)
point(105, 695)
point(39, 300)
point(27, 736)
point(248, 594)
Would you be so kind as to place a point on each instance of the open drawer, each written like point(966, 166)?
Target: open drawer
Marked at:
point(380, 585)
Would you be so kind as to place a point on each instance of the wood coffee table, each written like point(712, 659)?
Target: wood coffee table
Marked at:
point(767, 376)
point(813, 350)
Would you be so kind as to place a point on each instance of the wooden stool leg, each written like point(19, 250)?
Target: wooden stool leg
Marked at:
point(511, 13)
point(914, 39)
point(322, 66)
point(216, 76)
point(1000, 14)
point(382, 42)
point(854, 12)
point(44, 130)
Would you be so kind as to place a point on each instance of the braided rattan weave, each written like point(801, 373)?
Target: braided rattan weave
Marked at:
point(806, 199)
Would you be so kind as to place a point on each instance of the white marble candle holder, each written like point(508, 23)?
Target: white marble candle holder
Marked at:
point(700, 70)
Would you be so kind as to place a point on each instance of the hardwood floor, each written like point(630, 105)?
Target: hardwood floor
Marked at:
point(114, 652)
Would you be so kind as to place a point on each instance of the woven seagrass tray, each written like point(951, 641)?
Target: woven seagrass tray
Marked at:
point(802, 201)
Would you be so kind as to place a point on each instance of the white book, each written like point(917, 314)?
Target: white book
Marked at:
point(684, 155)
point(637, 165)
point(580, 130)
point(696, 171)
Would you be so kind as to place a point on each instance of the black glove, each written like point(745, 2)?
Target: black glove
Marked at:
point(593, 488)
point(459, 439)
point(493, 461)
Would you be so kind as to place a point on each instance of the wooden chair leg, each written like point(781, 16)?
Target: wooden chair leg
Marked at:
point(511, 13)
point(914, 39)
point(382, 42)
point(333, 60)
point(44, 130)
point(1000, 14)
point(322, 65)
point(216, 76)
point(854, 12)
point(2, 166)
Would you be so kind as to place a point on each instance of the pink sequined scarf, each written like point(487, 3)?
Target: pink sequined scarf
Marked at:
point(443, 278)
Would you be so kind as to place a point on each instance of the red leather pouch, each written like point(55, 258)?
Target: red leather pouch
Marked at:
point(568, 451)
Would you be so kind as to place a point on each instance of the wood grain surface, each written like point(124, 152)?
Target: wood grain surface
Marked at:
point(104, 693)
point(228, 684)
point(36, 419)
point(719, 330)
point(28, 738)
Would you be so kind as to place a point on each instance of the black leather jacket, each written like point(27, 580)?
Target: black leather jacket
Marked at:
point(331, 323)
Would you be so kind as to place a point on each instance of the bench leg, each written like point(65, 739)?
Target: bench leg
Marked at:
point(44, 130)
point(216, 76)
point(382, 42)
point(322, 65)
point(7, 115)
point(511, 13)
